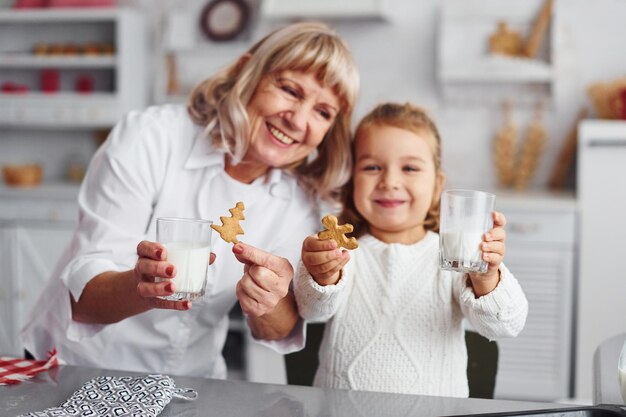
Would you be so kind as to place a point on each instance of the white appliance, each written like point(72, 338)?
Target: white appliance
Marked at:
point(601, 303)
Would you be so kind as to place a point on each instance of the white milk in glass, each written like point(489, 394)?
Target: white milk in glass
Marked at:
point(191, 261)
point(462, 245)
point(465, 217)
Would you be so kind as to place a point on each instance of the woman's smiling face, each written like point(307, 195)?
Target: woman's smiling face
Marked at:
point(290, 113)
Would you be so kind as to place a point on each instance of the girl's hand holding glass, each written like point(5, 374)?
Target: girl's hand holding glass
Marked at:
point(493, 249)
point(323, 259)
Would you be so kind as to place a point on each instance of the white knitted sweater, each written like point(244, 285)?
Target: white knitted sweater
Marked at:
point(395, 320)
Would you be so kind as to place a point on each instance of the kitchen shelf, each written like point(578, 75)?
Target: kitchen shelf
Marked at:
point(498, 69)
point(113, 66)
point(468, 72)
point(69, 14)
point(25, 60)
point(323, 9)
point(59, 110)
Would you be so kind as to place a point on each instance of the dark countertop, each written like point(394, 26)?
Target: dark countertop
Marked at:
point(606, 389)
point(241, 399)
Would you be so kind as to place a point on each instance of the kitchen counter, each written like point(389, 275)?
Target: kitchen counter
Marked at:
point(606, 389)
point(241, 399)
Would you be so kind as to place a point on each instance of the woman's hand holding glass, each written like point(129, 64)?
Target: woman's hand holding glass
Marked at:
point(323, 259)
point(493, 250)
point(151, 263)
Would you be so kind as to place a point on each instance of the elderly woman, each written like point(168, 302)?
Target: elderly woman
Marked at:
point(272, 130)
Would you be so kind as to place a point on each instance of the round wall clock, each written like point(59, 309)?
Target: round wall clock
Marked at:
point(223, 20)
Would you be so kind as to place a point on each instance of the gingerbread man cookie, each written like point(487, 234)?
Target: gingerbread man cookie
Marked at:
point(337, 233)
point(230, 225)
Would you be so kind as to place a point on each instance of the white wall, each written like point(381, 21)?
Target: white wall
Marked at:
point(397, 60)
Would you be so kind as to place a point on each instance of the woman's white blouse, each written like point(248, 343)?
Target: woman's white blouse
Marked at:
point(157, 163)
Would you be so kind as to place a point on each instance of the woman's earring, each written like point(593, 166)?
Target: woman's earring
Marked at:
point(312, 156)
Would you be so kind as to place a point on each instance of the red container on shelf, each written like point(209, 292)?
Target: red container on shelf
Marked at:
point(81, 3)
point(30, 4)
point(84, 84)
point(13, 88)
point(49, 81)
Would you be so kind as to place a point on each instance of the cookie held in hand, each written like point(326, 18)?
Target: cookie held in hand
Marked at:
point(230, 227)
point(337, 232)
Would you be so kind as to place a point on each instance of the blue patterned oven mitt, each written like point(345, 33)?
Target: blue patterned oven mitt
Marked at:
point(106, 396)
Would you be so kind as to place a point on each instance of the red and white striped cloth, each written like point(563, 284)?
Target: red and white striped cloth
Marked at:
point(14, 371)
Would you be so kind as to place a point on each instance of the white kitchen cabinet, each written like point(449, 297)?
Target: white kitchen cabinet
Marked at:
point(30, 252)
point(117, 76)
point(33, 234)
point(601, 302)
point(540, 251)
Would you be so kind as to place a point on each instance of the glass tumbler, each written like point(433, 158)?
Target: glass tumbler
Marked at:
point(188, 246)
point(465, 217)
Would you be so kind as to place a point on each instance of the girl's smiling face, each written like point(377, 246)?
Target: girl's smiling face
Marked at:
point(395, 181)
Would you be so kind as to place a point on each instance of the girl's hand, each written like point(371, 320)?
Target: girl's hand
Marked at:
point(493, 249)
point(323, 259)
point(153, 263)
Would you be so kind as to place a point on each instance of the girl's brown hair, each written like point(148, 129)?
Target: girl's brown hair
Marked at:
point(403, 116)
point(219, 103)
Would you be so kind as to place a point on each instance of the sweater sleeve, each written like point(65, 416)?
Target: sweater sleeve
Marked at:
point(499, 314)
point(318, 303)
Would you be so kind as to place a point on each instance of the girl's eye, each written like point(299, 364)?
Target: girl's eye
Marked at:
point(409, 168)
point(371, 168)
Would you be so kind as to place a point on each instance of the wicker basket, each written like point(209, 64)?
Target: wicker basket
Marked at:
point(26, 175)
point(607, 98)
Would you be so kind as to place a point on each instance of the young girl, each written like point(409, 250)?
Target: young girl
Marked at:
point(395, 320)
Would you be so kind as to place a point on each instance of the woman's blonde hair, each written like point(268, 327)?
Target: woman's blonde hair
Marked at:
point(403, 116)
point(220, 101)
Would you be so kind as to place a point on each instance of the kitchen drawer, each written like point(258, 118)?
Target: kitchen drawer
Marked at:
point(535, 227)
point(37, 210)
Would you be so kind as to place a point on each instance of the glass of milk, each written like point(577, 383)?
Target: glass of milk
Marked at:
point(188, 246)
point(465, 217)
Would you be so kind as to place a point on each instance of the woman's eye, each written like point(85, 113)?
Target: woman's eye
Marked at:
point(289, 90)
point(325, 114)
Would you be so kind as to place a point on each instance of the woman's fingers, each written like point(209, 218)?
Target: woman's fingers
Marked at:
point(170, 305)
point(151, 265)
point(148, 268)
point(255, 301)
point(152, 250)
